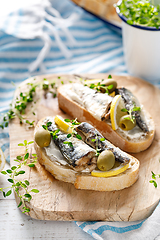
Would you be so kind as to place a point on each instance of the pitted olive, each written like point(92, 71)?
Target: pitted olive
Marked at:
point(106, 160)
point(42, 137)
point(126, 123)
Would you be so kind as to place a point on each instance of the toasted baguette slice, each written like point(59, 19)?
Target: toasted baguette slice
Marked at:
point(117, 137)
point(85, 180)
point(101, 8)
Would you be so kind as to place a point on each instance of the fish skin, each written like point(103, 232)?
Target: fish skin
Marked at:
point(100, 102)
point(88, 132)
point(74, 153)
point(127, 96)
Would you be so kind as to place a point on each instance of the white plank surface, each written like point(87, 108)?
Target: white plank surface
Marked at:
point(14, 225)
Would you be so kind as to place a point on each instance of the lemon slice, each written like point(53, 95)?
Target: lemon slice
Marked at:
point(2, 160)
point(96, 80)
point(110, 173)
point(64, 126)
point(115, 111)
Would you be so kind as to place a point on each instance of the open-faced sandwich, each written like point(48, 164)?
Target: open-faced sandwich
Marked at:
point(112, 110)
point(77, 153)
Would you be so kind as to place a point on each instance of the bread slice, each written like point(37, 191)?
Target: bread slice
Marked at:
point(84, 180)
point(118, 137)
point(101, 8)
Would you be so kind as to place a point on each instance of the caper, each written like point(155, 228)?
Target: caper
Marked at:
point(110, 83)
point(106, 160)
point(42, 137)
point(126, 123)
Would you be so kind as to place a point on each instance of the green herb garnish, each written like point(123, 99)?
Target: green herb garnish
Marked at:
point(96, 140)
point(154, 177)
point(69, 143)
point(18, 107)
point(45, 84)
point(100, 86)
point(26, 160)
point(131, 112)
point(53, 133)
point(74, 132)
point(69, 135)
point(109, 76)
point(141, 12)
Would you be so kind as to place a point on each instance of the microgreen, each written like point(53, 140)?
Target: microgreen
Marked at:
point(45, 84)
point(154, 177)
point(109, 76)
point(141, 12)
point(96, 140)
point(69, 135)
point(25, 160)
point(131, 112)
point(53, 89)
point(53, 133)
point(73, 122)
point(73, 133)
point(69, 143)
point(100, 86)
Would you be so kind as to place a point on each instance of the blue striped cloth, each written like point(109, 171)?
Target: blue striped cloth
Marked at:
point(67, 40)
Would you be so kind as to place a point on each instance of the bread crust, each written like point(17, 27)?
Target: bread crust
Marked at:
point(85, 180)
point(103, 9)
point(76, 111)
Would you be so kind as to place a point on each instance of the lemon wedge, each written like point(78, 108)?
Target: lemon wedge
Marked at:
point(63, 125)
point(115, 111)
point(113, 172)
point(2, 160)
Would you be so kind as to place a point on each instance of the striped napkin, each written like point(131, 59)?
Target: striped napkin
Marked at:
point(59, 37)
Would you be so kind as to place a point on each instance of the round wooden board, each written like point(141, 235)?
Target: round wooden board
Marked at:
point(61, 201)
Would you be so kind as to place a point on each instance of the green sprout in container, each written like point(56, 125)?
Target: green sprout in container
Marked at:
point(141, 12)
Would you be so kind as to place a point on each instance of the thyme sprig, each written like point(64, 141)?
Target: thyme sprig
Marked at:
point(12, 173)
point(19, 105)
point(49, 87)
point(17, 109)
point(131, 112)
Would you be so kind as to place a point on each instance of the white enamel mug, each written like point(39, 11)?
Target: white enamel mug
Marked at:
point(141, 50)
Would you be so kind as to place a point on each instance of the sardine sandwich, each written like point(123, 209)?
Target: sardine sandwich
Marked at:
point(77, 153)
point(114, 111)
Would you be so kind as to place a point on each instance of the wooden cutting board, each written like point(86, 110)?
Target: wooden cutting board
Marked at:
point(61, 201)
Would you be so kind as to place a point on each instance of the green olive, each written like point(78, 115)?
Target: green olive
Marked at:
point(126, 124)
point(110, 83)
point(106, 160)
point(42, 137)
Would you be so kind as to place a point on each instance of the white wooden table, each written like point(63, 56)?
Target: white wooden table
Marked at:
point(14, 225)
